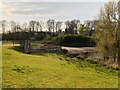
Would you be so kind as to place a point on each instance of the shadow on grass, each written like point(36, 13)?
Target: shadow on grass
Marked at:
point(17, 48)
point(39, 54)
point(21, 50)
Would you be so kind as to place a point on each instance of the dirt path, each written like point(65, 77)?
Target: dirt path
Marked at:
point(10, 44)
point(79, 50)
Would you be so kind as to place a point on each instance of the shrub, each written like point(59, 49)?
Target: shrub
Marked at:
point(74, 41)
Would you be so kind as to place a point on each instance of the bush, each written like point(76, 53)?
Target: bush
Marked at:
point(74, 41)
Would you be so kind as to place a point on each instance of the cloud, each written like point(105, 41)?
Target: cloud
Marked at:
point(55, 1)
point(6, 9)
point(48, 10)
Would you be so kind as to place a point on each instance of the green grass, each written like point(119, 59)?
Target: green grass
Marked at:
point(52, 71)
point(9, 42)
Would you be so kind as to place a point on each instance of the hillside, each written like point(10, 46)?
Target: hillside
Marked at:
point(52, 71)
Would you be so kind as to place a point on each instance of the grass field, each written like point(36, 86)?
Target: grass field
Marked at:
point(21, 70)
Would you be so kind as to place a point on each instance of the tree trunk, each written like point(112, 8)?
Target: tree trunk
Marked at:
point(119, 34)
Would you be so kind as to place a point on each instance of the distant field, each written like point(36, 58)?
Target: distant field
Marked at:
point(10, 42)
point(52, 71)
point(7, 42)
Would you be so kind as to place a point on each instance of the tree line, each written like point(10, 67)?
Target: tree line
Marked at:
point(51, 27)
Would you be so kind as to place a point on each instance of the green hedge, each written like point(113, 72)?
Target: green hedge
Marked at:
point(74, 41)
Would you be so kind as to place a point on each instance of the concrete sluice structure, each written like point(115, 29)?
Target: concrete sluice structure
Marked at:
point(46, 48)
point(81, 52)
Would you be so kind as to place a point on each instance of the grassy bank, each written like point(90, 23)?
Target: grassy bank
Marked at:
point(10, 42)
point(50, 70)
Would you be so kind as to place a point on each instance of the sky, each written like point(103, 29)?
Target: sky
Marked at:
point(26, 10)
point(54, 0)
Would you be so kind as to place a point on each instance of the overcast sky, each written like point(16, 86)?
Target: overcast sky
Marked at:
point(54, 0)
point(25, 11)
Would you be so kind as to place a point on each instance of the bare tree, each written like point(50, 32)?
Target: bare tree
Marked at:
point(3, 24)
point(89, 27)
point(76, 25)
point(37, 25)
point(24, 26)
point(51, 25)
point(72, 26)
point(58, 27)
point(32, 25)
point(41, 24)
point(13, 26)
